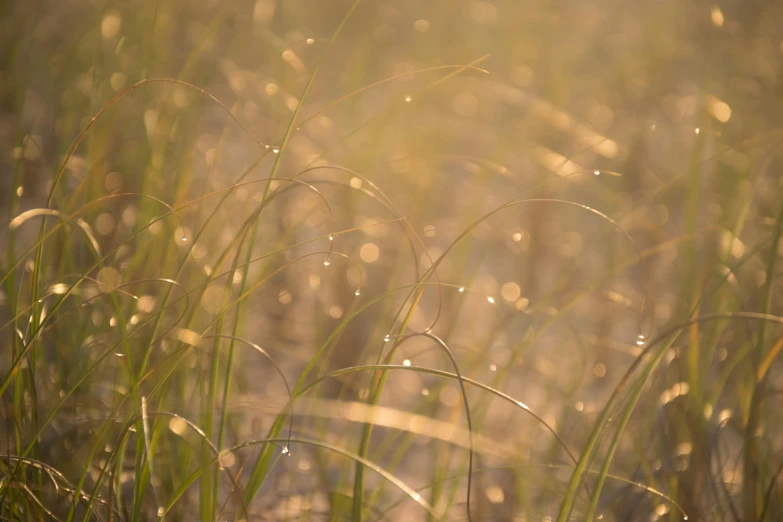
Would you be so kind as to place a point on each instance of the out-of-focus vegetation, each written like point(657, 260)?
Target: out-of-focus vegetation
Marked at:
point(391, 260)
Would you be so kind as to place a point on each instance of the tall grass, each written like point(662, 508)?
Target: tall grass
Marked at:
point(391, 261)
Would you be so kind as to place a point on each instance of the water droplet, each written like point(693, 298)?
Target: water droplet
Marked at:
point(491, 300)
point(685, 517)
point(331, 237)
point(386, 338)
point(286, 451)
point(358, 292)
point(697, 130)
point(406, 362)
point(597, 172)
point(416, 497)
point(461, 289)
point(408, 99)
point(267, 147)
point(327, 262)
point(184, 239)
point(640, 340)
point(276, 150)
point(161, 511)
point(493, 368)
point(310, 41)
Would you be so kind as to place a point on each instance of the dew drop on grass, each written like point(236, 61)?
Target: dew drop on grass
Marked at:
point(181, 234)
point(161, 511)
point(310, 41)
point(406, 362)
point(276, 150)
point(491, 300)
point(267, 147)
point(327, 262)
point(461, 289)
point(386, 338)
point(286, 451)
point(697, 130)
point(408, 99)
point(597, 172)
point(416, 497)
point(640, 340)
point(331, 237)
point(358, 292)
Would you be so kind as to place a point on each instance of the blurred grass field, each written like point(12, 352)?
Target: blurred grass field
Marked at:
point(378, 260)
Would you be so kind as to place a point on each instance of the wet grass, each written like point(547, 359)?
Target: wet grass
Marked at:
point(280, 262)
